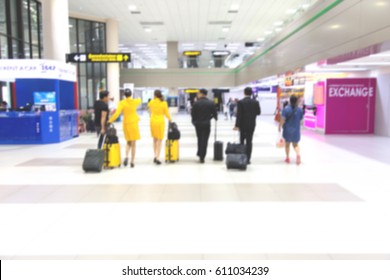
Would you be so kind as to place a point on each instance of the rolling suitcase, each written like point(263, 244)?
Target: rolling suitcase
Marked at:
point(112, 152)
point(218, 146)
point(93, 160)
point(234, 148)
point(236, 161)
point(171, 150)
point(112, 149)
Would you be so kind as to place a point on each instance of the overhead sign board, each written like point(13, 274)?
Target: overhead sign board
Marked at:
point(191, 90)
point(98, 57)
point(220, 53)
point(11, 69)
point(192, 53)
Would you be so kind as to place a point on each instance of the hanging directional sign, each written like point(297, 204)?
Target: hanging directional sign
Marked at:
point(98, 57)
point(192, 53)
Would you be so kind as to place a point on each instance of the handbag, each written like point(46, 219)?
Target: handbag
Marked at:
point(280, 142)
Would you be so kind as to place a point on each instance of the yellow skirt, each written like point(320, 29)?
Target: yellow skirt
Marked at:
point(157, 128)
point(131, 131)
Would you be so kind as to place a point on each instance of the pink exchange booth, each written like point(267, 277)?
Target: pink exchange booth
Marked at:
point(44, 107)
point(343, 106)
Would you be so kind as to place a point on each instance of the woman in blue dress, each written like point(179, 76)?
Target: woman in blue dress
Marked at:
point(291, 122)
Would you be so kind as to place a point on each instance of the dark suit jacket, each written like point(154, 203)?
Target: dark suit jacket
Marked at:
point(203, 111)
point(247, 111)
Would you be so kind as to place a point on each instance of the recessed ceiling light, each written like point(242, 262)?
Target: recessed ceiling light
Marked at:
point(291, 11)
point(234, 7)
point(278, 23)
point(132, 7)
point(381, 3)
point(305, 6)
point(278, 29)
point(148, 29)
point(335, 26)
point(225, 29)
point(260, 39)
point(267, 32)
point(210, 44)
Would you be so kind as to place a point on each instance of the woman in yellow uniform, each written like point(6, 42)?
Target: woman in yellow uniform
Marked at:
point(158, 109)
point(130, 123)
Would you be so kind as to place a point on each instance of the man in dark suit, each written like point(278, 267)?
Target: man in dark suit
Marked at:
point(202, 112)
point(247, 111)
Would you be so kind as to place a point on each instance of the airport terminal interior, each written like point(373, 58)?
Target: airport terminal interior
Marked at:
point(333, 55)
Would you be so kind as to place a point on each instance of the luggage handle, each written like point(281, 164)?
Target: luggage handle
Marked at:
point(215, 131)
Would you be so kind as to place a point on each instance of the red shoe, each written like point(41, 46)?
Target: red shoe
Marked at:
point(287, 160)
point(298, 160)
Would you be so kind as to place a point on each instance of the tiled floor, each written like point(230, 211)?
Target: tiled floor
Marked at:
point(334, 206)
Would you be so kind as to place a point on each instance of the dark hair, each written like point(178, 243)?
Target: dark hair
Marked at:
point(128, 92)
point(293, 100)
point(103, 94)
point(158, 94)
point(248, 91)
point(203, 91)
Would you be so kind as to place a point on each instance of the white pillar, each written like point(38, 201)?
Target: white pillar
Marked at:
point(172, 55)
point(113, 68)
point(55, 15)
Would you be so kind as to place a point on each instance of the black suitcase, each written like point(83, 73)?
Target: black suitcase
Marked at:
point(236, 161)
point(234, 148)
point(218, 146)
point(93, 160)
point(218, 150)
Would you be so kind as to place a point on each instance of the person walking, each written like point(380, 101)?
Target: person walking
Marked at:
point(101, 115)
point(130, 124)
point(202, 112)
point(247, 111)
point(158, 108)
point(291, 119)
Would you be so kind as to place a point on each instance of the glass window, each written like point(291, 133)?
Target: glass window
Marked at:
point(40, 28)
point(3, 22)
point(26, 22)
point(34, 23)
point(15, 49)
point(14, 18)
point(36, 53)
point(73, 35)
point(27, 50)
point(3, 47)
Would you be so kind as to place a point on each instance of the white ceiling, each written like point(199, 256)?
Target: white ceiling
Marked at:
point(188, 21)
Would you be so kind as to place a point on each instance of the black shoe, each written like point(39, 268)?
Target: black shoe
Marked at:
point(249, 162)
point(126, 161)
point(156, 161)
point(132, 165)
point(201, 160)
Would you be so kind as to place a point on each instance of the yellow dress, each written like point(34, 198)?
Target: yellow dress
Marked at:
point(130, 117)
point(158, 109)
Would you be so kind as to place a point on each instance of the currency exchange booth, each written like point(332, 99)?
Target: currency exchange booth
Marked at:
point(44, 102)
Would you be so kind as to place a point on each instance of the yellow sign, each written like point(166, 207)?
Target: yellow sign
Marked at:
point(191, 90)
point(192, 53)
point(108, 57)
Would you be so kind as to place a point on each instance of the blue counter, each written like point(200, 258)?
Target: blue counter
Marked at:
point(38, 127)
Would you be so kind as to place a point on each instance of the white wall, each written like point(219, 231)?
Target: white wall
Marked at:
point(382, 110)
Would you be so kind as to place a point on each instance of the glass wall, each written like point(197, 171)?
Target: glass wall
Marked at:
point(20, 29)
point(89, 37)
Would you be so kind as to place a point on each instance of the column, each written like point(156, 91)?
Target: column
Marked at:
point(172, 55)
point(55, 15)
point(113, 68)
